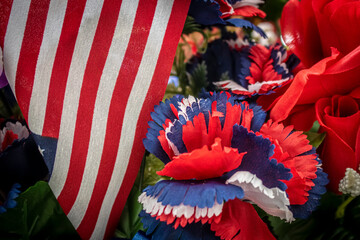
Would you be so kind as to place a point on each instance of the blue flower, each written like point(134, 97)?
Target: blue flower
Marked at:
point(10, 201)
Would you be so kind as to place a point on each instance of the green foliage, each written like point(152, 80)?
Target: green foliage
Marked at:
point(191, 26)
point(314, 137)
point(130, 222)
point(179, 66)
point(8, 105)
point(37, 215)
point(198, 79)
point(273, 9)
point(323, 223)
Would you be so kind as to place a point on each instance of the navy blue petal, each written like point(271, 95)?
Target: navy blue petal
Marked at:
point(304, 211)
point(237, 22)
point(152, 144)
point(242, 65)
point(218, 60)
point(203, 106)
point(259, 150)
point(160, 230)
point(206, 12)
point(163, 111)
point(175, 136)
point(259, 117)
point(194, 193)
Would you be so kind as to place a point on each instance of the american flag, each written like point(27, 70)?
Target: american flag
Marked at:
point(86, 75)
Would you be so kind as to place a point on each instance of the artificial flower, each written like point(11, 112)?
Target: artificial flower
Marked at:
point(350, 184)
point(319, 33)
point(10, 201)
point(339, 116)
point(246, 68)
point(210, 12)
point(20, 159)
point(222, 157)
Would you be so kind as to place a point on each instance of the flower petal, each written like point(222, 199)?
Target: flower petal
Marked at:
point(273, 201)
point(203, 163)
point(240, 221)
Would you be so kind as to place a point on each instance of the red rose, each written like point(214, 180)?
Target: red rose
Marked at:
point(339, 116)
point(322, 34)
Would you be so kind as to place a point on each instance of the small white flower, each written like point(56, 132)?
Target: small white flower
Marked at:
point(350, 184)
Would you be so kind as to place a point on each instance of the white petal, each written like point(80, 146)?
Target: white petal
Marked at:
point(272, 200)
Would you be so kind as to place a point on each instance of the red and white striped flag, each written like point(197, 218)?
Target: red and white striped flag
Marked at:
point(86, 75)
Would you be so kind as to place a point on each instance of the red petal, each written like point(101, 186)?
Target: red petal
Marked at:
point(203, 163)
point(303, 167)
point(334, 20)
point(300, 31)
point(291, 97)
point(249, 11)
point(9, 138)
point(240, 221)
point(342, 139)
point(165, 144)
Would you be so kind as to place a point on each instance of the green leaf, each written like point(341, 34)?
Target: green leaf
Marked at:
point(130, 221)
point(314, 137)
point(198, 79)
point(37, 215)
point(297, 230)
point(322, 224)
point(191, 26)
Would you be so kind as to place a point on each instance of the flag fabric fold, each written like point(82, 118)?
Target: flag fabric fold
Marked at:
point(86, 75)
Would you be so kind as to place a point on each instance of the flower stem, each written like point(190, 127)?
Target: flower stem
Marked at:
point(340, 212)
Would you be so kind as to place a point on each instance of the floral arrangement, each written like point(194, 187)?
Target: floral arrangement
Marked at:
point(236, 162)
point(257, 137)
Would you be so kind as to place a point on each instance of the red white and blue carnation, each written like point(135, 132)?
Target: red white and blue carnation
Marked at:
point(211, 12)
point(222, 159)
point(247, 69)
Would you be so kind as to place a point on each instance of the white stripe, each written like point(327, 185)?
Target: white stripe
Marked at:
point(102, 105)
point(132, 111)
point(39, 95)
point(14, 38)
point(79, 59)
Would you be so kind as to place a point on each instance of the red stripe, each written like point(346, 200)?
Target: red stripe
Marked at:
point(29, 52)
point(97, 58)
point(72, 20)
point(127, 74)
point(5, 9)
point(154, 95)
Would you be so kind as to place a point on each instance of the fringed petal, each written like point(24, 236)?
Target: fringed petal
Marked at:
point(299, 158)
point(272, 200)
point(257, 160)
point(161, 231)
point(249, 11)
point(304, 211)
point(237, 22)
point(193, 193)
point(203, 163)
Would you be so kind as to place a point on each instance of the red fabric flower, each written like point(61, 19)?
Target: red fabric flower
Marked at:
point(322, 34)
point(339, 116)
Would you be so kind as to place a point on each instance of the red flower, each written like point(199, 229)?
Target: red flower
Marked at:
point(339, 116)
point(322, 34)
